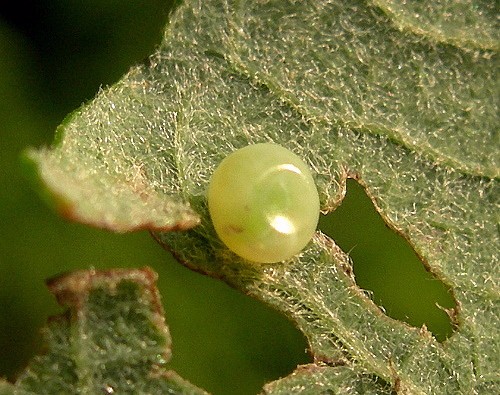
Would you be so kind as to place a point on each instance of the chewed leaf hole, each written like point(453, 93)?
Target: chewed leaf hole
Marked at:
point(387, 266)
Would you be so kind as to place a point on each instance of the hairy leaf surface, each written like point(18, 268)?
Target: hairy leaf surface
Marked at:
point(359, 89)
point(113, 339)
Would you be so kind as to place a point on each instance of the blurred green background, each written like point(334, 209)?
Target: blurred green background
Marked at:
point(55, 55)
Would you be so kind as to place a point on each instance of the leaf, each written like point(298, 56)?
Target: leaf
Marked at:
point(325, 380)
point(113, 339)
point(465, 24)
point(356, 91)
point(6, 388)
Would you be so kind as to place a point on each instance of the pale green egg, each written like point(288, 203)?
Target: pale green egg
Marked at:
point(263, 203)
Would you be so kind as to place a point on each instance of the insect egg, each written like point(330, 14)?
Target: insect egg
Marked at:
point(263, 203)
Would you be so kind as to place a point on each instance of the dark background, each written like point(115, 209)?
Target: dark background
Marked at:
point(54, 56)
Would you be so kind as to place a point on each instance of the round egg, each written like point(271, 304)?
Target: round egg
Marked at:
point(263, 203)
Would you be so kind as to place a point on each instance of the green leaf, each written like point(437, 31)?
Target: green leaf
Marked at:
point(113, 339)
point(357, 92)
point(466, 24)
point(6, 388)
point(327, 380)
